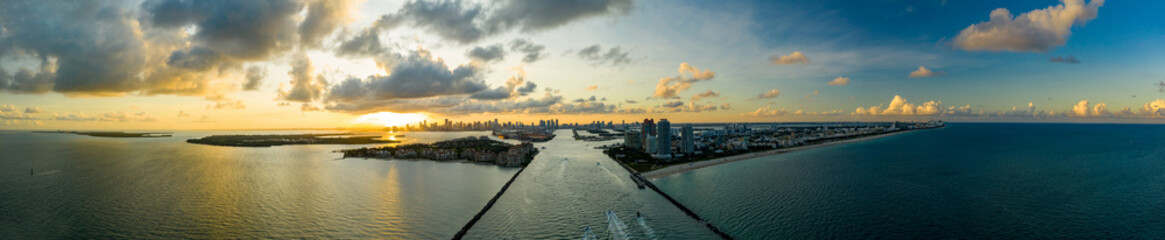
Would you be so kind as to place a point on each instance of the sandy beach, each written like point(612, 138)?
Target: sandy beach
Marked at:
point(716, 161)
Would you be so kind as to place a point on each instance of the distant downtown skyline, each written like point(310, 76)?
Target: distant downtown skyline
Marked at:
point(170, 64)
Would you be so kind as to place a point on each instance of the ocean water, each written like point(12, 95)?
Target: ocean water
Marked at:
point(965, 181)
point(163, 188)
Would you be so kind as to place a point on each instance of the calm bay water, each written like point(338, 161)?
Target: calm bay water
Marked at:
point(88, 187)
point(967, 181)
point(556, 199)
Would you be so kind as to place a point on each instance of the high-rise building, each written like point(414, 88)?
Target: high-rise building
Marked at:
point(689, 141)
point(664, 136)
point(633, 139)
point(648, 130)
point(651, 145)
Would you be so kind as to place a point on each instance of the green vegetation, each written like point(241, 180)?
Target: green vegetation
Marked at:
point(643, 162)
point(475, 149)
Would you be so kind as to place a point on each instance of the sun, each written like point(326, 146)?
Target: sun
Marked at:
point(388, 119)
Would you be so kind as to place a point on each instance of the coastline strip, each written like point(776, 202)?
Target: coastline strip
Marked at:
point(654, 174)
point(465, 229)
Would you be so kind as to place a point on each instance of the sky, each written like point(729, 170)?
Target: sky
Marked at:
point(257, 64)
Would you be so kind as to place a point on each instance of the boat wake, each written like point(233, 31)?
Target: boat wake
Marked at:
point(616, 229)
point(646, 230)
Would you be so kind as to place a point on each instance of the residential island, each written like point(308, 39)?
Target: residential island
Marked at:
point(111, 134)
point(474, 149)
point(276, 140)
point(656, 149)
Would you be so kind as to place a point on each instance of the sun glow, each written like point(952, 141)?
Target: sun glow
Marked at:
point(388, 119)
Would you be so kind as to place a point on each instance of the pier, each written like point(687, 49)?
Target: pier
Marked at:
point(643, 181)
point(465, 229)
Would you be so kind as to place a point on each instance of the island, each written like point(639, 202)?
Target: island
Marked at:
point(111, 134)
point(474, 149)
point(694, 149)
point(526, 135)
point(276, 140)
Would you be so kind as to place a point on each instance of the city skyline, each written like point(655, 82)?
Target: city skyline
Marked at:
point(166, 64)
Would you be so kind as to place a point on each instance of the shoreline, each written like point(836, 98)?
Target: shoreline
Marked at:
point(669, 170)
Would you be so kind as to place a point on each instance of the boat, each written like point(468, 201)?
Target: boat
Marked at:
point(589, 235)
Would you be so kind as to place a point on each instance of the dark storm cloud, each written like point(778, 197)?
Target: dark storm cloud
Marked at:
point(82, 47)
point(247, 30)
point(197, 58)
point(486, 54)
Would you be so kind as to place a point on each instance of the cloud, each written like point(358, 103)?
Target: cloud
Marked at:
point(899, 106)
point(533, 52)
point(1070, 59)
point(365, 43)
point(487, 54)
point(269, 26)
point(924, 72)
point(613, 56)
point(514, 88)
point(1155, 108)
point(631, 101)
point(417, 76)
point(183, 114)
point(81, 47)
point(792, 58)
point(705, 94)
point(825, 113)
point(839, 81)
point(766, 111)
point(305, 85)
point(537, 15)
point(767, 95)
point(222, 102)
point(9, 112)
point(323, 18)
point(467, 22)
point(672, 104)
point(1082, 109)
point(592, 87)
point(689, 75)
point(1036, 31)
point(255, 75)
point(110, 48)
